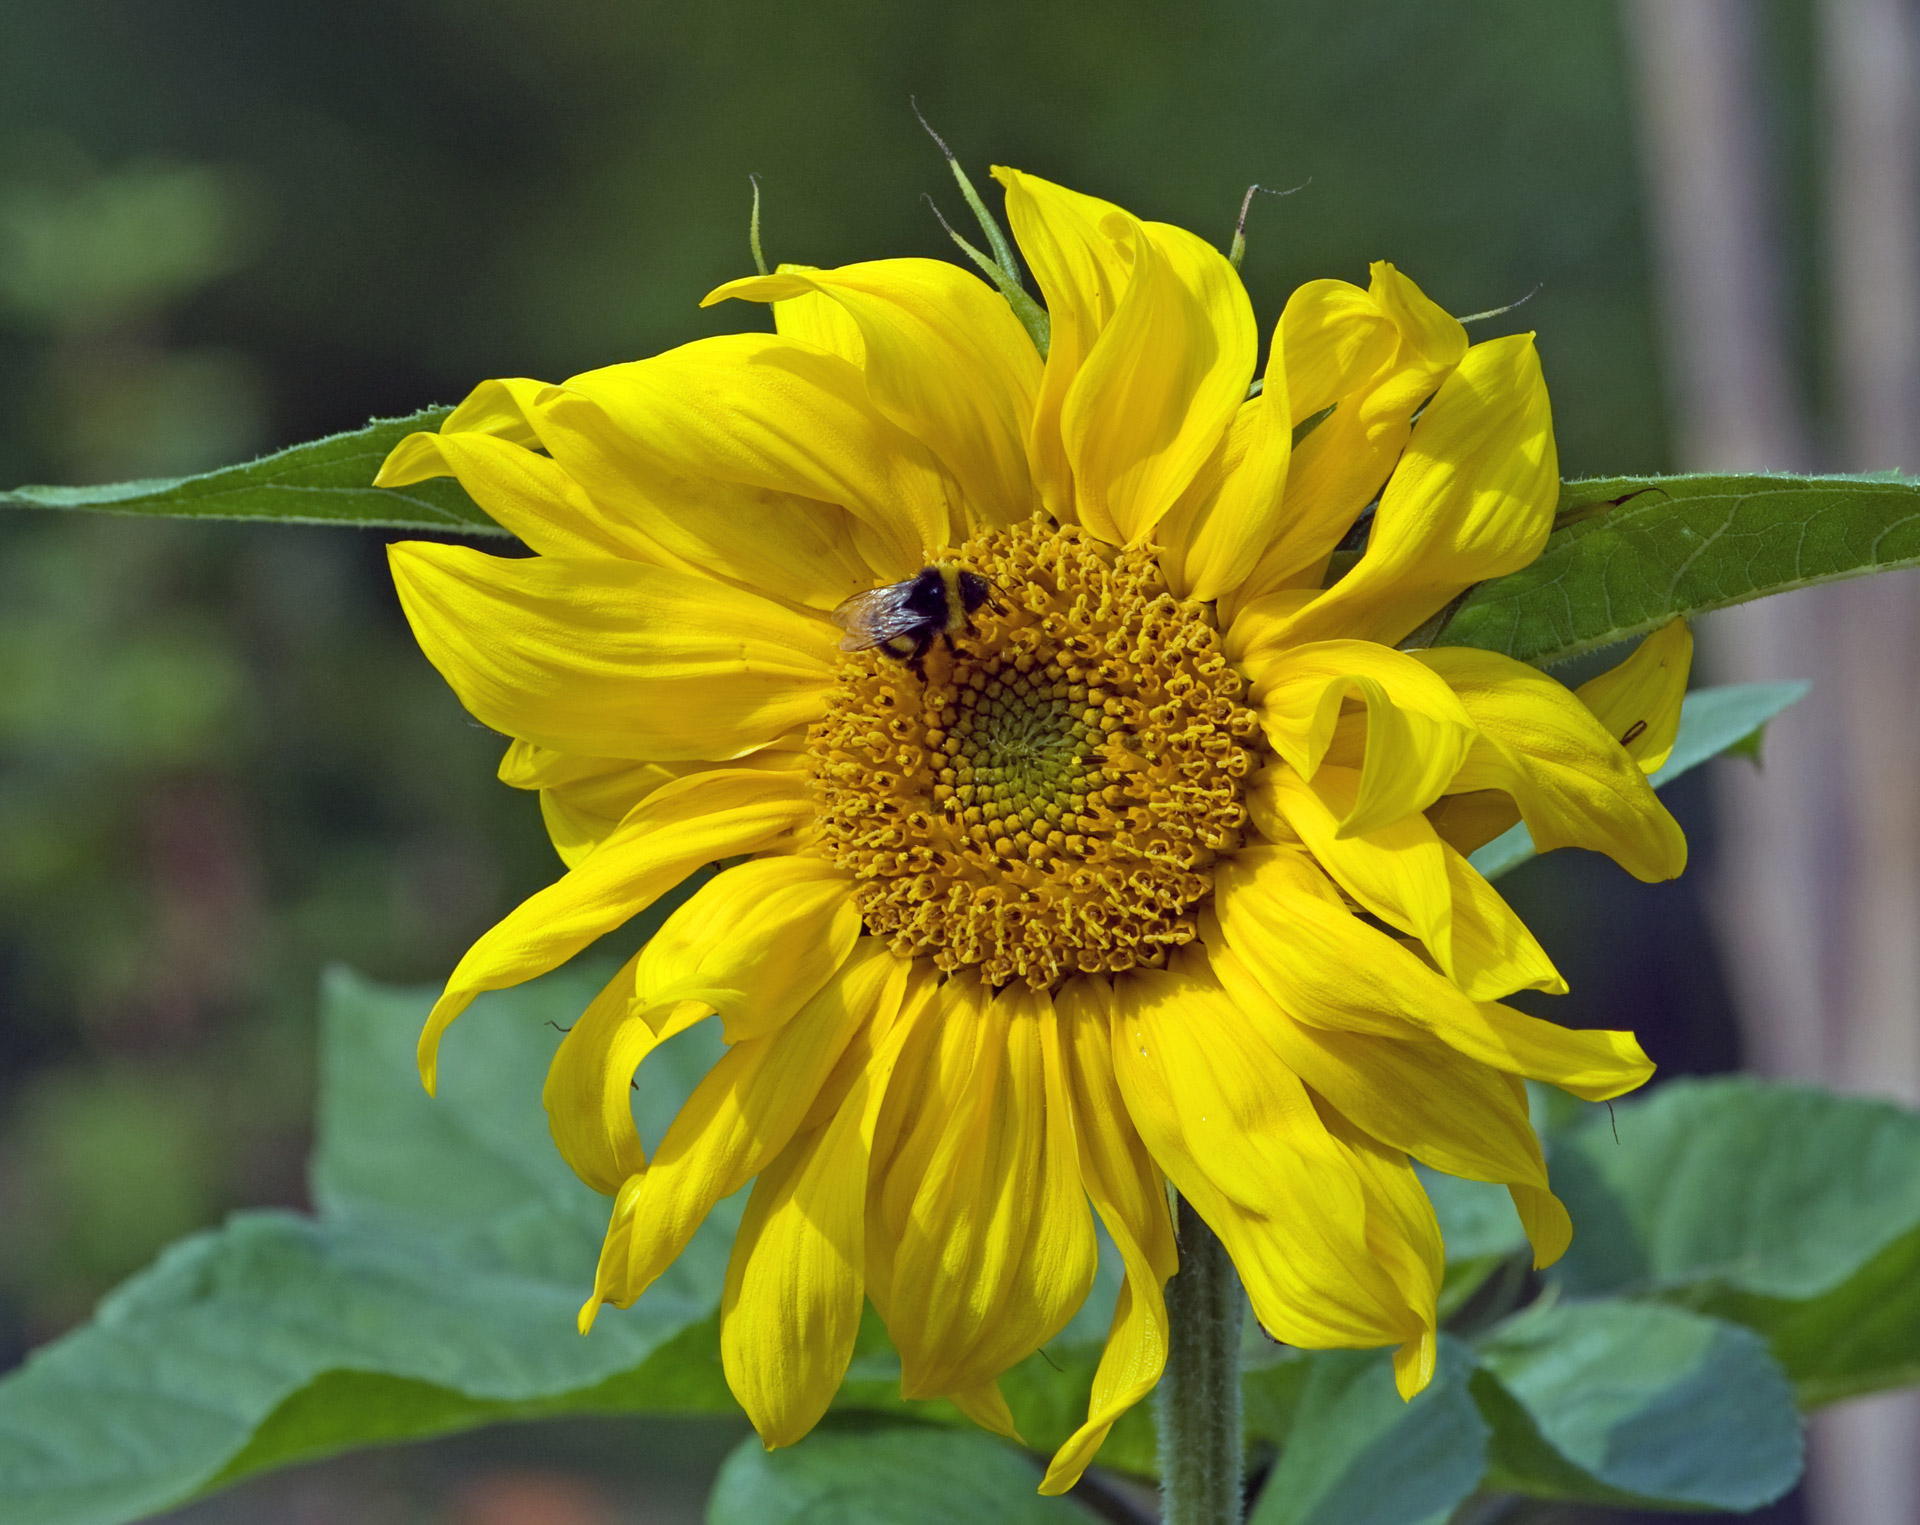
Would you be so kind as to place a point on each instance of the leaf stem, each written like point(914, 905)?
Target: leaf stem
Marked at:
point(1198, 1406)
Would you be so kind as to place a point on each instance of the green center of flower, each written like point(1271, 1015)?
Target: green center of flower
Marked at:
point(1022, 750)
point(1049, 797)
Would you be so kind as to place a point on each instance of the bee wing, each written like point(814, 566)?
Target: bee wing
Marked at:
point(877, 615)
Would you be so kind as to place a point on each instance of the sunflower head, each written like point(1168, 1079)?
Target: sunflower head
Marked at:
point(1144, 868)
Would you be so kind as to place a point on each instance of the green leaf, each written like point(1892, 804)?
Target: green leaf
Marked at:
point(1629, 553)
point(1790, 1209)
point(883, 1477)
point(1637, 1403)
point(325, 481)
point(436, 1289)
point(1712, 721)
point(1357, 1454)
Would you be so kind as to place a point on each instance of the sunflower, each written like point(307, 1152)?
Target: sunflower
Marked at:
point(1150, 872)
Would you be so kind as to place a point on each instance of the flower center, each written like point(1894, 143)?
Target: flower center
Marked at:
point(1048, 799)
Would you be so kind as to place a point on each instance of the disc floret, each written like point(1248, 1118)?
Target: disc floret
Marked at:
point(1049, 799)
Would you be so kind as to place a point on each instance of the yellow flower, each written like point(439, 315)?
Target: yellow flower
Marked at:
point(1153, 874)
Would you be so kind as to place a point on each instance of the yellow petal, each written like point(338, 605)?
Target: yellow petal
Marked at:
point(601, 490)
point(1595, 1064)
point(1467, 822)
point(795, 1284)
point(1638, 702)
point(1472, 498)
point(589, 1095)
point(1152, 348)
point(582, 799)
point(1410, 879)
point(987, 1407)
point(527, 493)
point(1130, 1195)
point(811, 318)
point(1239, 1137)
point(1576, 786)
point(1227, 519)
point(613, 658)
point(740, 1118)
point(755, 944)
point(1323, 966)
point(945, 359)
point(761, 411)
point(1418, 733)
point(1413, 1093)
point(992, 1245)
point(1373, 357)
point(1161, 385)
point(1081, 274)
point(672, 832)
point(1403, 1235)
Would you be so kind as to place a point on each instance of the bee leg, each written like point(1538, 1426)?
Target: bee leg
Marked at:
point(917, 663)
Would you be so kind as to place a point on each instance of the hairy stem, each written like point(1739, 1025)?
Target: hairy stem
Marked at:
point(1198, 1408)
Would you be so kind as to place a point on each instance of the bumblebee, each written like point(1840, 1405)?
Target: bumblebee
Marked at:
point(904, 617)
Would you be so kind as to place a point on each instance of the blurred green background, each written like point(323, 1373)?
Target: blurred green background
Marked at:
point(227, 226)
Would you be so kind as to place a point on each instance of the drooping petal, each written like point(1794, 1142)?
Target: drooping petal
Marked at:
point(803, 924)
point(990, 1245)
point(945, 359)
point(1239, 1137)
point(737, 1121)
point(1413, 1094)
point(795, 1282)
point(1130, 1195)
point(1638, 702)
point(676, 829)
point(1472, 498)
point(613, 658)
point(1418, 733)
point(1404, 1237)
point(1152, 348)
point(588, 1095)
point(1286, 924)
point(1576, 786)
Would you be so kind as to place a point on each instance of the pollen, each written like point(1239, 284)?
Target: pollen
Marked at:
point(1050, 797)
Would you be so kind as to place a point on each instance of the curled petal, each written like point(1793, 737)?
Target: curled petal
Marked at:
point(1575, 784)
point(1638, 702)
point(1323, 966)
point(588, 1094)
point(1418, 733)
point(1472, 498)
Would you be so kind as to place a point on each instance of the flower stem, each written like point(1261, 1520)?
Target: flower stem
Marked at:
point(1198, 1409)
